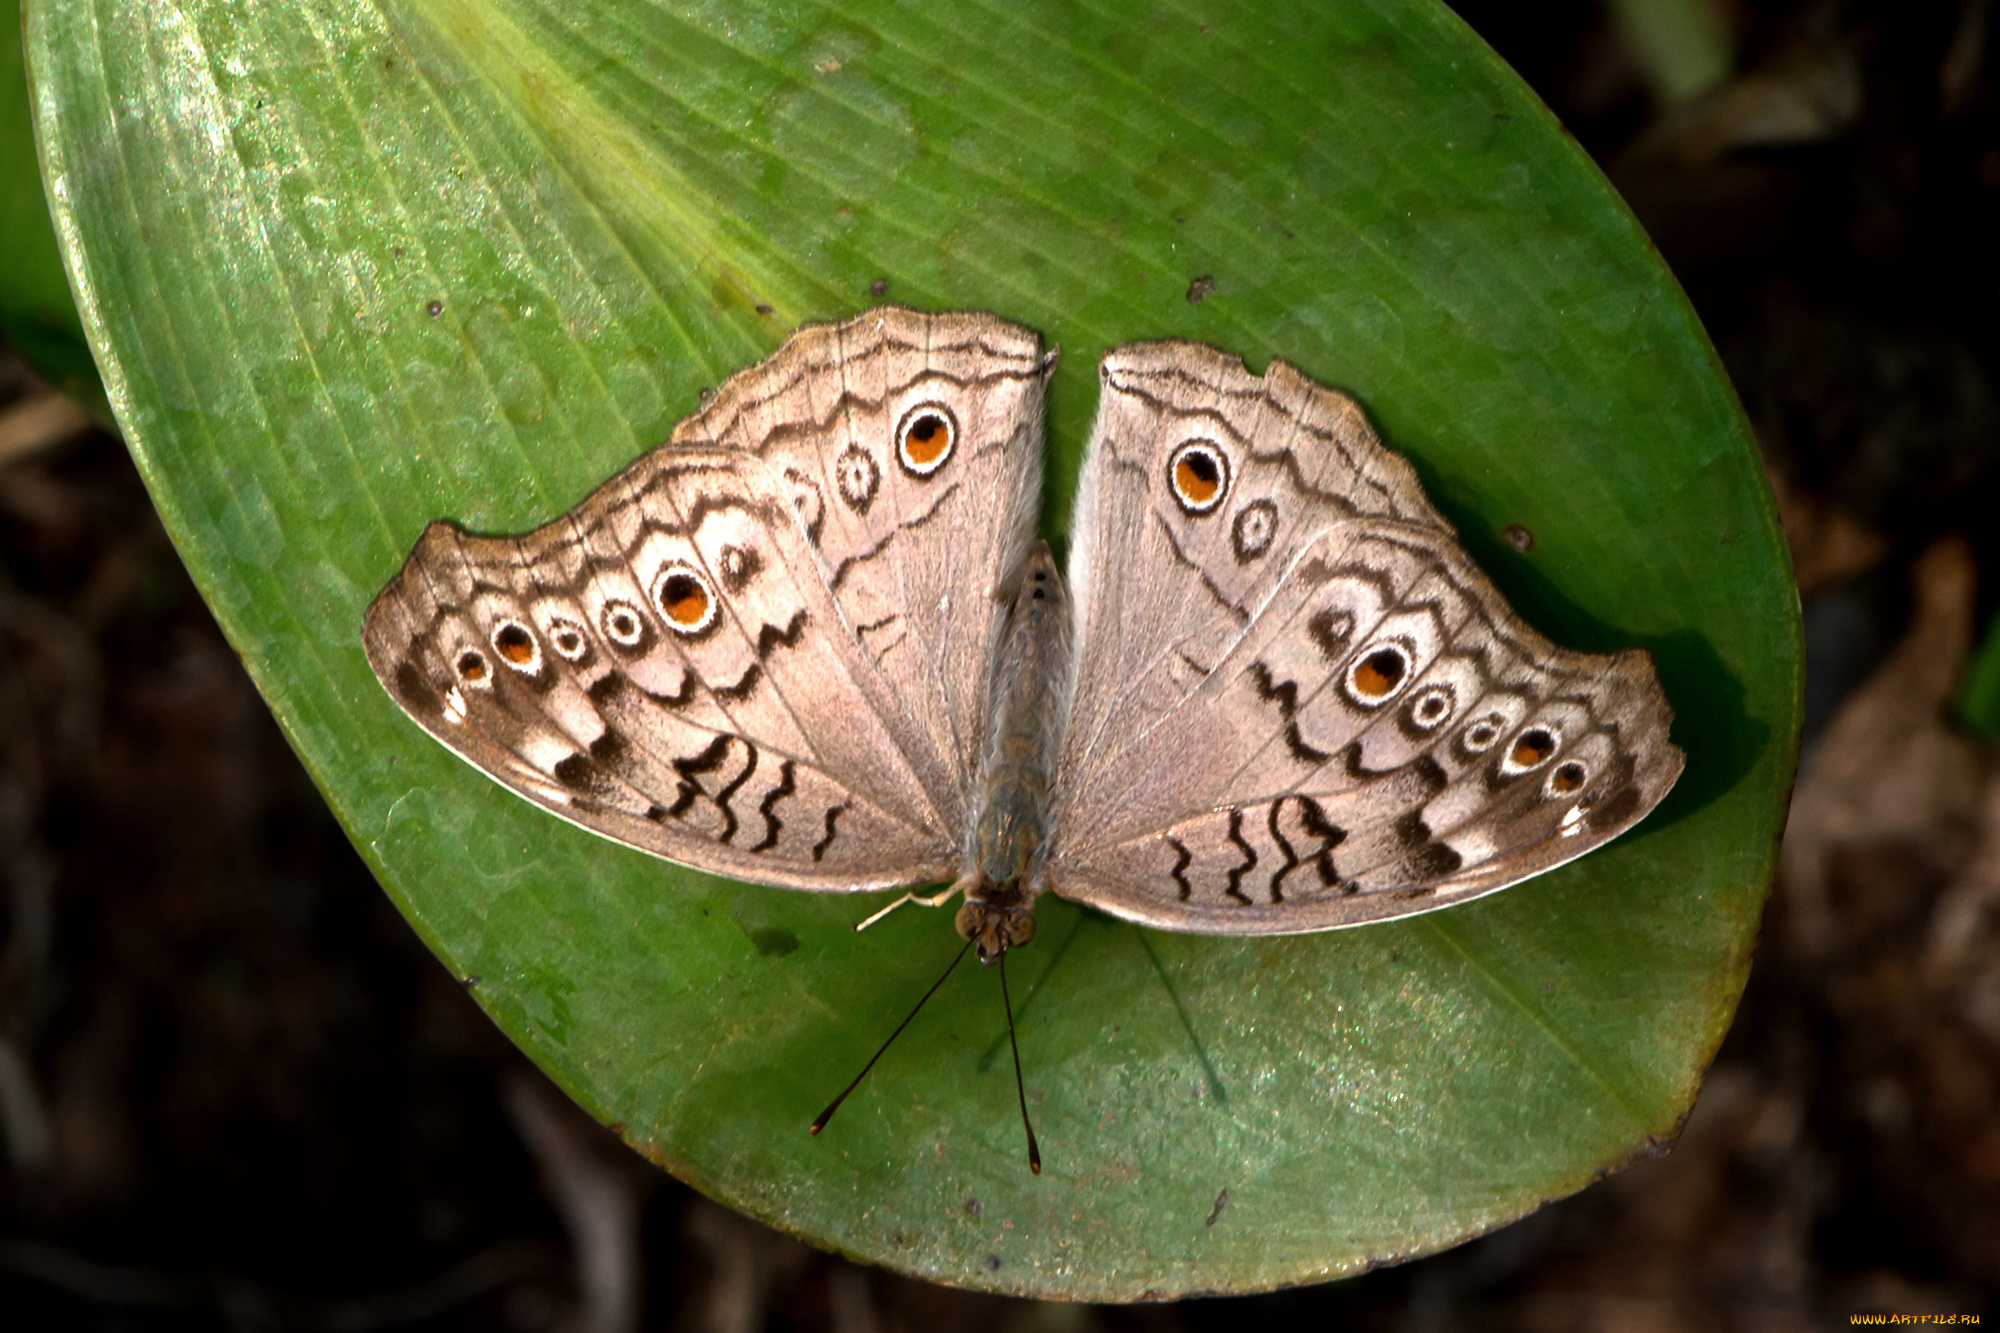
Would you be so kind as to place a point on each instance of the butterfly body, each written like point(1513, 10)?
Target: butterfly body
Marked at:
point(800, 644)
point(1010, 827)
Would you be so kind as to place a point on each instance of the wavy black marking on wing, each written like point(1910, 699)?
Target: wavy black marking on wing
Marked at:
point(740, 689)
point(770, 638)
point(1239, 613)
point(1179, 872)
point(690, 768)
point(1286, 695)
point(592, 565)
point(812, 430)
point(1285, 846)
point(724, 797)
point(709, 760)
point(910, 524)
point(711, 426)
point(608, 688)
point(881, 650)
point(1126, 380)
point(1313, 816)
point(773, 825)
point(833, 814)
point(1236, 873)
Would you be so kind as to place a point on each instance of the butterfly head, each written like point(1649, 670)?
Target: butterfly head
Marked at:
point(996, 924)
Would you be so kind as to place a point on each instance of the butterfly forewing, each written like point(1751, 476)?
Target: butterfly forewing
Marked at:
point(1201, 486)
point(910, 446)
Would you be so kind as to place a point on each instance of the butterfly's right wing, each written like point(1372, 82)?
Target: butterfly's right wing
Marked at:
point(1299, 704)
point(1165, 575)
point(666, 666)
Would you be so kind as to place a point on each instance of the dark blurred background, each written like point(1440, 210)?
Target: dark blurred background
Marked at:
point(237, 1092)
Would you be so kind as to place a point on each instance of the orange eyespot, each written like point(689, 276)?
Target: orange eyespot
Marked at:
point(1198, 473)
point(1567, 778)
point(1533, 746)
point(684, 599)
point(925, 439)
point(472, 666)
point(514, 644)
point(1377, 675)
point(686, 602)
point(517, 647)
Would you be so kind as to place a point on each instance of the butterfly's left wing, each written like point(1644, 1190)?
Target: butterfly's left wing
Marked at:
point(667, 667)
point(1328, 714)
point(762, 649)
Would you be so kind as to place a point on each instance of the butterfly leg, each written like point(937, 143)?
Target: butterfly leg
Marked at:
point(935, 900)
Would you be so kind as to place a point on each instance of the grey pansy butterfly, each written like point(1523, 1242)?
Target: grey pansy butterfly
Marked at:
point(811, 642)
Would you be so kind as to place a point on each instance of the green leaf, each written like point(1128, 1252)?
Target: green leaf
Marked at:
point(348, 269)
point(36, 314)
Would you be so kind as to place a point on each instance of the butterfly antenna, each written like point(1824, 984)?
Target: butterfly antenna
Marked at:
point(1034, 1150)
point(827, 1114)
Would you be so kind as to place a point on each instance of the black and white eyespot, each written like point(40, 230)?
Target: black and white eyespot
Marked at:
point(1483, 734)
point(1431, 707)
point(1198, 475)
point(474, 669)
point(738, 565)
point(623, 624)
point(1566, 779)
point(925, 439)
point(516, 645)
point(1255, 528)
point(858, 477)
point(1529, 750)
point(568, 638)
point(685, 600)
point(1377, 673)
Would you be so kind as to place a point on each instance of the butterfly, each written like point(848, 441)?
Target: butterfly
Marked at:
point(811, 641)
